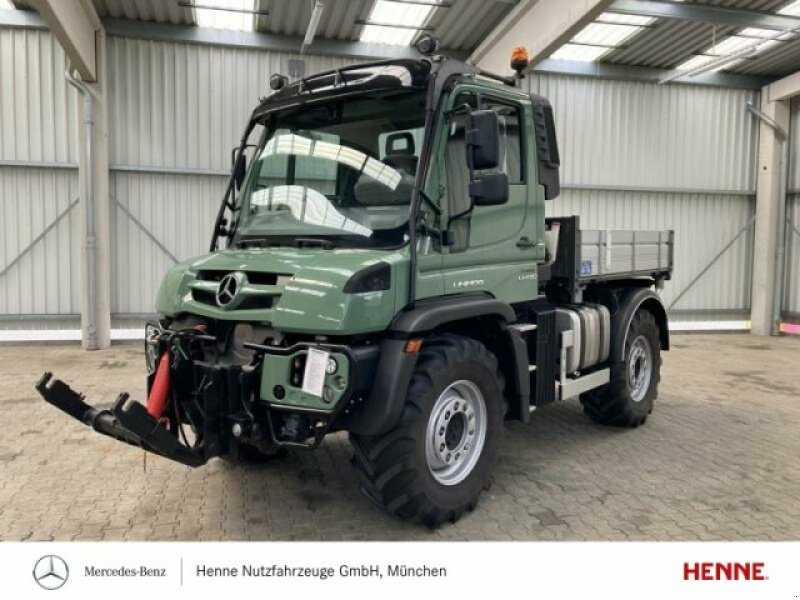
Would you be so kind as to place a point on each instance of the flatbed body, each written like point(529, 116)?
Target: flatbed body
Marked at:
point(589, 256)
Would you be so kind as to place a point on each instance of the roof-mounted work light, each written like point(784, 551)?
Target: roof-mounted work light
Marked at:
point(428, 45)
point(278, 81)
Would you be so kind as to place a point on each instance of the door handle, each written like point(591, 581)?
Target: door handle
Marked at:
point(524, 242)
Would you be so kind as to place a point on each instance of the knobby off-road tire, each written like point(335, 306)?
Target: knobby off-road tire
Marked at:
point(436, 461)
point(628, 398)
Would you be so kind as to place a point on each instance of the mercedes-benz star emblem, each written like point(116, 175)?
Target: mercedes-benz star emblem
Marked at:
point(51, 572)
point(229, 289)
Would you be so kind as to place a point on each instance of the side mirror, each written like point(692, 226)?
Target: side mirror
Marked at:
point(489, 190)
point(239, 170)
point(484, 139)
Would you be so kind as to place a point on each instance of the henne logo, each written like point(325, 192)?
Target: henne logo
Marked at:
point(730, 571)
point(51, 572)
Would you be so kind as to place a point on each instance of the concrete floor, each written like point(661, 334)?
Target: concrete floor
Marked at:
point(719, 459)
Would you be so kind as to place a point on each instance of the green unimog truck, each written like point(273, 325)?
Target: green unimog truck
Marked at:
point(384, 267)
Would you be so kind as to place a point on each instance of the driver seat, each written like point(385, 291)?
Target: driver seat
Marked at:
point(400, 152)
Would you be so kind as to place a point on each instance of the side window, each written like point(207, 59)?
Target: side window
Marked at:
point(510, 138)
point(457, 172)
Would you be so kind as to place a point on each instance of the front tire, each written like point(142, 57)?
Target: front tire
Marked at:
point(436, 461)
point(628, 398)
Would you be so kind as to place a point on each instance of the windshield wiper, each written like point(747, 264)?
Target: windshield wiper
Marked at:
point(258, 242)
point(302, 242)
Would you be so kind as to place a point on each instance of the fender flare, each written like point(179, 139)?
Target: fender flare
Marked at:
point(384, 405)
point(629, 302)
point(427, 315)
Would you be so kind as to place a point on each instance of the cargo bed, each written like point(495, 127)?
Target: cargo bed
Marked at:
point(595, 255)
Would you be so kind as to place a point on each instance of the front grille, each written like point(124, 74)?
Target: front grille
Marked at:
point(254, 277)
point(261, 290)
point(204, 297)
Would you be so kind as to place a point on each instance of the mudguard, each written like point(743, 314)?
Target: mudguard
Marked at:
point(385, 403)
point(629, 302)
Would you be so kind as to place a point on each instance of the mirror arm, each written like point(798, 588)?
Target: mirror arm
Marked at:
point(463, 213)
point(461, 109)
point(435, 207)
point(445, 236)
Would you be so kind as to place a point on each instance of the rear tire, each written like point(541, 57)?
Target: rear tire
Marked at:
point(628, 398)
point(438, 458)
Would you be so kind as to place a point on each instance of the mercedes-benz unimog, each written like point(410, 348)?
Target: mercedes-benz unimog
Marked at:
point(384, 267)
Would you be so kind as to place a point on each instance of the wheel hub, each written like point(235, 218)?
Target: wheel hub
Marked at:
point(456, 432)
point(640, 368)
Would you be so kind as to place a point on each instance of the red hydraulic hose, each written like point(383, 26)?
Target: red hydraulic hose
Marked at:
point(159, 393)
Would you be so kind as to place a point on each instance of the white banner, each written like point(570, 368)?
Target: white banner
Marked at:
point(417, 571)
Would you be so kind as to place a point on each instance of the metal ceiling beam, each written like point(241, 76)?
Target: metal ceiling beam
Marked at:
point(393, 25)
point(629, 73)
point(785, 88)
point(75, 24)
point(542, 26)
point(313, 25)
point(168, 32)
point(190, 34)
point(361, 50)
point(193, 5)
point(21, 19)
point(706, 13)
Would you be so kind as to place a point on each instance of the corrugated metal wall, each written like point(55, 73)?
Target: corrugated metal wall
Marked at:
point(180, 108)
point(639, 155)
point(704, 224)
point(157, 219)
point(176, 110)
point(794, 147)
point(37, 107)
point(791, 303)
point(39, 252)
point(792, 296)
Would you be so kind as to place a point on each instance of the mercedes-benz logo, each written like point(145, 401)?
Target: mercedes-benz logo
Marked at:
point(229, 289)
point(51, 572)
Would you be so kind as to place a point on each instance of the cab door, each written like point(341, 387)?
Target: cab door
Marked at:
point(496, 248)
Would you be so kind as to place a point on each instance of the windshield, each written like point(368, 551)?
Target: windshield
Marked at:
point(341, 172)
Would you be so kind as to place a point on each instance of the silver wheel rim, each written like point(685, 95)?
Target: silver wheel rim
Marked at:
point(640, 368)
point(456, 432)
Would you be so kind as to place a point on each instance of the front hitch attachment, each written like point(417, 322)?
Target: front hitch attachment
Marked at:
point(127, 421)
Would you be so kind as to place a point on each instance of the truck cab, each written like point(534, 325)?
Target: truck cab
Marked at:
point(381, 264)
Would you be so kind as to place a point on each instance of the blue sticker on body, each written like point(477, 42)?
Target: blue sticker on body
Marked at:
point(586, 267)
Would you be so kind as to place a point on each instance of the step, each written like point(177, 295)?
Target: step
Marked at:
point(531, 368)
point(524, 327)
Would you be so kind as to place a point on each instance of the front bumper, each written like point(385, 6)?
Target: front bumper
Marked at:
point(225, 406)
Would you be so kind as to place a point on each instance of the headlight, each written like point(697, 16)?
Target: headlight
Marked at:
point(374, 278)
point(152, 343)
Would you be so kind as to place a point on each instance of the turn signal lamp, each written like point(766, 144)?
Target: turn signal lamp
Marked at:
point(413, 345)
